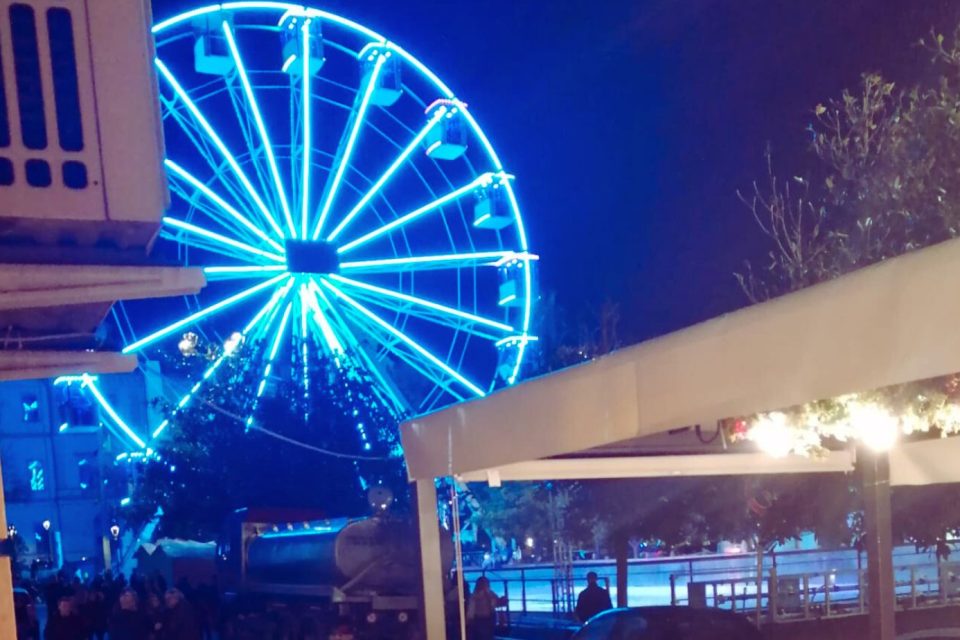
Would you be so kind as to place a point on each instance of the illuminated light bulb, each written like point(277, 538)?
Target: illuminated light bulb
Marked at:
point(231, 344)
point(188, 345)
point(873, 425)
point(529, 542)
point(772, 434)
point(912, 422)
point(947, 418)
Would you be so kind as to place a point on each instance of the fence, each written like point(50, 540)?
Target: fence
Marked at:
point(793, 586)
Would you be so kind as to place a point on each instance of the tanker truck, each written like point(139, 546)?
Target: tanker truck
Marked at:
point(290, 569)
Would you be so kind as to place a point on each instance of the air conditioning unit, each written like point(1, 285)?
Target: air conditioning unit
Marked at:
point(81, 146)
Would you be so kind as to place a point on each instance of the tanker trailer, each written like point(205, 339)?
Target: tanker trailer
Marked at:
point(362, 572)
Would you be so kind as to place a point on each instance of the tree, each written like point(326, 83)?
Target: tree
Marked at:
point(879, 181)
point(317, 449)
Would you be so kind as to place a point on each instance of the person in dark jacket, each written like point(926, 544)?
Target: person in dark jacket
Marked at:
point(179, 620)
point(65, 624)
point(128, 622)
point(593, 599)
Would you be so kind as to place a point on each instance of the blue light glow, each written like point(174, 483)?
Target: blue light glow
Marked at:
point(218, 142)
point(307, 132)
point(423, 303)
point(229, 210)
point(443, 261)
point(252, 270)
point(382, 180)
point(63, 427)
point(267, 308)
point(203, 313)
point(405, 339)
point(344, 161)
point(92, 385)
point(481, 180)
point(211, 235)
point(258, 119)
point(328, 318)
point(479, 221)
point(333, 343)
point(124, 502)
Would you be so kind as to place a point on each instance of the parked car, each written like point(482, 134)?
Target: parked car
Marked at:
point(667, 623)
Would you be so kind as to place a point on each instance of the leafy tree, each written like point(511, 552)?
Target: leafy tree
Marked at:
point(879, 181)
point(302, 449)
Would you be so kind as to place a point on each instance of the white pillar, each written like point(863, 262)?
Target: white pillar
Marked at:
point(431, 565)
point(8, 625)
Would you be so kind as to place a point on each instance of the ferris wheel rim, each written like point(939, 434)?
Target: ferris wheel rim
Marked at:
point(523, 251)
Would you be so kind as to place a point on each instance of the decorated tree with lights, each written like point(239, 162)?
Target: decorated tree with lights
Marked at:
point(318, 447)
point(880, 181)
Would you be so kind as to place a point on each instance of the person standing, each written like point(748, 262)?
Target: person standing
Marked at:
point(65, 624)
point(593, 599)
point(179, 620)
point(128, 622)
point(482, 610)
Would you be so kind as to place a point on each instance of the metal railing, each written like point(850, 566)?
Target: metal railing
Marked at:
point(805, 596)
point(784, 593)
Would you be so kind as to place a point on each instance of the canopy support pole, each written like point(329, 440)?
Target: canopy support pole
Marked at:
point(431, 565)
point(875, 468)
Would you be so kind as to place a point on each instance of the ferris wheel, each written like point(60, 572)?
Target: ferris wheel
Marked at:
point(342, 201)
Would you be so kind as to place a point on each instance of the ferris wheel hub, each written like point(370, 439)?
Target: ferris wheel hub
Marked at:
point(314, 257)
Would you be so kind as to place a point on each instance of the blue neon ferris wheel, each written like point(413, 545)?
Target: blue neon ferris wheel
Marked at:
point(343, 202)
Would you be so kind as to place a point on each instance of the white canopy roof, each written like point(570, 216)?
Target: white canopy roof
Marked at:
point(887, 324)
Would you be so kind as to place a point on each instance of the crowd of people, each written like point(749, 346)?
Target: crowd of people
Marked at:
point(111, 607)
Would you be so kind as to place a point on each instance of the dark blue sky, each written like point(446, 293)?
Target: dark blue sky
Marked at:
point(630, 124)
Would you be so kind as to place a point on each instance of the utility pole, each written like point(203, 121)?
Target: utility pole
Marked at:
point(881, 598)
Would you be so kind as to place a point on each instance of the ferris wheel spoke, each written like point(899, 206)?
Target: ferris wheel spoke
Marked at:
point(443, 382)
point(384, 387)
point(416, 347)
point(404, 220)
point(345, 150)
point(222, 205)
point(306, 130)
point(436, 312)
point(271, 356)
point(391, 170)
point(309, 301)
point(261, 127)
point(219, 144)
point(203, 313)
point(435, 262)
point(214, 237)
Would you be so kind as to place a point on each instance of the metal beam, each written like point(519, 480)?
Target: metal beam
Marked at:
point(30, 286)
point(29, 365)
point(717, 464)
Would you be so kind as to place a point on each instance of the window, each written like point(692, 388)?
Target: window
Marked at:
point(31, 408)
point(26, 66)
point(77, 408)
point(87, 472)
point(36, 476)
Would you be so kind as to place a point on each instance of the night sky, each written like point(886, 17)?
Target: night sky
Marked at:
point(630, 124)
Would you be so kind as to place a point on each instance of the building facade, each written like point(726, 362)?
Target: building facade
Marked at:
point(58, 449)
